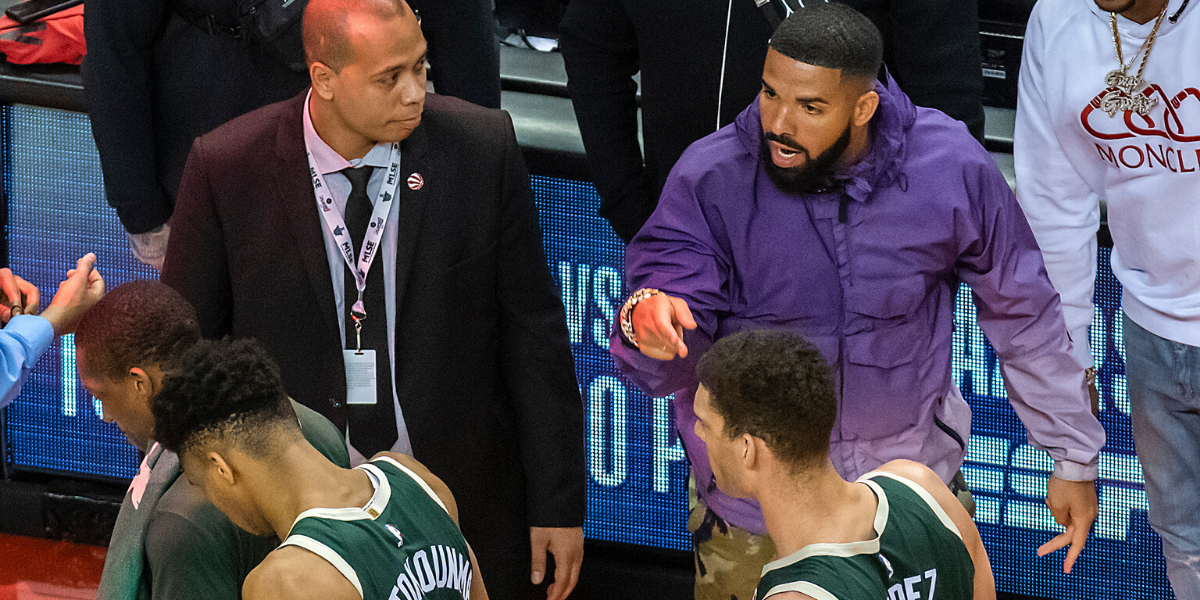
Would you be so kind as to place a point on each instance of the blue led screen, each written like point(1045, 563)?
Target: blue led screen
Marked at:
point(637, 488)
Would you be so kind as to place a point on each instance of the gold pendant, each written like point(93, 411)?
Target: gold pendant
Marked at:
point(1122, 95)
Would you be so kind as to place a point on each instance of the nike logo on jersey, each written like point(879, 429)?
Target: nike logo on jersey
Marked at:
point(886, 563)
point(437, 567)
point(396, 532)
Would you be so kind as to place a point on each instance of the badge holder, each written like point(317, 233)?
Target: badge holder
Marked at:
point(360, 364)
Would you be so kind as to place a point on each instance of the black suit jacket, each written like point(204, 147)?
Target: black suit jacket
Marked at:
point(483, 364)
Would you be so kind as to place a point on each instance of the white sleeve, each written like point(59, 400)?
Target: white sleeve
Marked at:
point(1062, 210)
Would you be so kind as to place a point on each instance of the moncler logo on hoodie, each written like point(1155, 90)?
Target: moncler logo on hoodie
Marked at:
point(1167, 139)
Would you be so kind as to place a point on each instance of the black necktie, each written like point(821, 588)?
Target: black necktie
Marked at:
point(372, 426)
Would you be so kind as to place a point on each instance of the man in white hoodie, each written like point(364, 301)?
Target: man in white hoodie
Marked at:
point(1109, 111)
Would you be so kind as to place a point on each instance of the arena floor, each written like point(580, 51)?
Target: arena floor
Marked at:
point(36, 569)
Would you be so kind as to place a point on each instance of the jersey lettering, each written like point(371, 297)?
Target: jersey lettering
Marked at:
point(908, 591)
point(438, 567)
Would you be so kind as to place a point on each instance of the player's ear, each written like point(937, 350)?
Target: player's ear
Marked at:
point(142, 382)
point(223, 470)
point(864, 108)
point(750, 450)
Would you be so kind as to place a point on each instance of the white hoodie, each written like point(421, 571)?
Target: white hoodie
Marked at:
point(1070, 155)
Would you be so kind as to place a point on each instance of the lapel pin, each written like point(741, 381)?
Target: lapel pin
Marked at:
point(415, 182)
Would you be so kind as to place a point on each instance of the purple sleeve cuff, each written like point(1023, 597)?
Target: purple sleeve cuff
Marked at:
point(1073, 471)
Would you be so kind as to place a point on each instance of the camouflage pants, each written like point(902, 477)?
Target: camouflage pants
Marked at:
point(730, 560)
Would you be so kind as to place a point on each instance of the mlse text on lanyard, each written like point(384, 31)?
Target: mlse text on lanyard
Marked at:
point(360, 364)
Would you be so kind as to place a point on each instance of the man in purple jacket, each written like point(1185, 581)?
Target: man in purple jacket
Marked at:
point(835, 207)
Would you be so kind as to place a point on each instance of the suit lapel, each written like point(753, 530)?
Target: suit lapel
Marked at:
point(414, 173)
point(299, 204)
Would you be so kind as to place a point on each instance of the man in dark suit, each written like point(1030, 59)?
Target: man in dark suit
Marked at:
point(158, 73)
point(435, 298)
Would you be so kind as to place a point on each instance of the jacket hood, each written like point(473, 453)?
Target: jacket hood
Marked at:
point(885, 157)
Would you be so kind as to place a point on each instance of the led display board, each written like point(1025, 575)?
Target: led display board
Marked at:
point(637, 484)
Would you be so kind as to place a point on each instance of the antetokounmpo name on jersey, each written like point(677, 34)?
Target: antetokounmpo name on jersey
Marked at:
point(437, 567)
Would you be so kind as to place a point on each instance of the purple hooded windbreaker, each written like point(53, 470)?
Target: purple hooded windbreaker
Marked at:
point(925, 210)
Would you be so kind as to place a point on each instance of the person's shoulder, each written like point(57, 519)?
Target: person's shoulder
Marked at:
point(322, 434)
point(254, 131)
point(913, 472)
point(183, 516)
point(715, 162)
point(943, 140)
point(185, 527)
point(1055, 12)
point(1058, 19)
point(709, 152)
point(297, 574)
point(449, 119)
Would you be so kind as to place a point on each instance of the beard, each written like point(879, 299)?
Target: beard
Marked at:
point(812, 176)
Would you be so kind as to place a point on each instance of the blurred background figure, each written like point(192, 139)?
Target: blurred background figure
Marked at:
point(700, 65)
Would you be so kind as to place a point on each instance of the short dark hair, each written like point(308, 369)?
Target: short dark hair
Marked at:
point(140, 323)
point(831, 35)
point(776, 386)
point(228, 389)
point(324, 24)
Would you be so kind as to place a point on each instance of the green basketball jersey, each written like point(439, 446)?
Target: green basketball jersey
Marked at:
point(918, 554)
point(401, 546)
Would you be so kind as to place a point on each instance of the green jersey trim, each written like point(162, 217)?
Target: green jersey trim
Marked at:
point(845, 550)
point(374, 507)
point(925, 495)
point(804, 587)
point(327, 553)
point(416, 478)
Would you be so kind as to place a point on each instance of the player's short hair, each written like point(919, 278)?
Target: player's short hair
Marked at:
point(140, 323)
point(831, 35)
point(324, 27)
point(229, 390)
point(776, 386)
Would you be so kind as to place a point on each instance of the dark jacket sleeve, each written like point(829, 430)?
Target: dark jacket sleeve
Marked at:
point(535, 354)
point(117, 76)
point(196, 264)
point(932, 49)
point(600, 50)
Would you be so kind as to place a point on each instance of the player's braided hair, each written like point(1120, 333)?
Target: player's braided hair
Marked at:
point(228, 389)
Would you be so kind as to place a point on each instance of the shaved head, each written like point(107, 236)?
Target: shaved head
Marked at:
point(327, 27)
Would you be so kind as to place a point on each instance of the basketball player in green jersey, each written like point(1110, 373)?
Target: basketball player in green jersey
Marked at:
point(765, 407)
point(386, 530)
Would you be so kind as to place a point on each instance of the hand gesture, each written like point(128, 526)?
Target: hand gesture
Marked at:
point(1074, 506)
point(82, 288)
point(17, 297)
point(658, 323)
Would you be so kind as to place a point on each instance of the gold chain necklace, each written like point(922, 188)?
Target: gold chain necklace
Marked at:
point(1122, 88)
